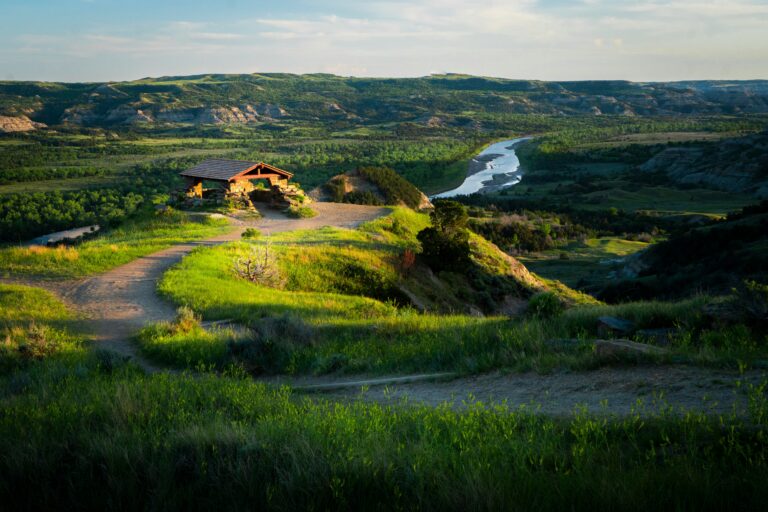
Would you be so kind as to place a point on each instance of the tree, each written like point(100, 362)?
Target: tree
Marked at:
point(445, 245)
point(449, 216)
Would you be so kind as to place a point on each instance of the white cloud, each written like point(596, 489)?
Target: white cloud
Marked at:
point(517, 38)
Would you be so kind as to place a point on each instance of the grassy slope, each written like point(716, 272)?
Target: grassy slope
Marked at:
point(144, 235)
point(324, 322)
point(321, 322)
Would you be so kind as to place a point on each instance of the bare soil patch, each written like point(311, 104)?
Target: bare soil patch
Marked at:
point(610, 390)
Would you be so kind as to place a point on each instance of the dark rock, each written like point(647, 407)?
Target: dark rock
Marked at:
point(613, 349)
point(610, 325)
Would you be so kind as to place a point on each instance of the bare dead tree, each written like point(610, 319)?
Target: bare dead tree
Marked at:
point(260, 266)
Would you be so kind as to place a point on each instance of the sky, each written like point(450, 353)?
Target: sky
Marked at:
point(114, 40)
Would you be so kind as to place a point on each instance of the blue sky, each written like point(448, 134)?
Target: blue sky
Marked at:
point(99, 40)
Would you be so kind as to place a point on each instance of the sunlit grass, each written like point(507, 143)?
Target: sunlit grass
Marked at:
point(34, 325)
point(133, 239)
point(334, 313)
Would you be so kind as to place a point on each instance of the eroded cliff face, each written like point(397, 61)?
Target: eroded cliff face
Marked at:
point(434, 102)
point(734, 165)
point(10, 124)
point(133, 114)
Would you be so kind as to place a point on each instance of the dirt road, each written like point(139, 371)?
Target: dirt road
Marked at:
point(615, 390)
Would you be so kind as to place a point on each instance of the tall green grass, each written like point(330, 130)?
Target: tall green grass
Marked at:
point(34, 325)
point(141, 236)
point(93, 439)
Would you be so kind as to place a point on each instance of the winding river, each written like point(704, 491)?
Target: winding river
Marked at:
point(496, 167)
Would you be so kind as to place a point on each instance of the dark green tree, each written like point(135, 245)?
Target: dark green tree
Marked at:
point(445, 245)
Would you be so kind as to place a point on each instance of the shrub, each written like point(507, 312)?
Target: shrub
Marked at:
point(336, 188)
point(545, 305)
point(362, 197)
point(251, 233)
point(407, 260)
point(752, 300)
point(274, 343)
point(259, 266)
point(301, 212)
point(449, 215)
point(444, 251)
point(186, 319)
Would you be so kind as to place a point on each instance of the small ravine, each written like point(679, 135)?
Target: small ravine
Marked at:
point(496, 167)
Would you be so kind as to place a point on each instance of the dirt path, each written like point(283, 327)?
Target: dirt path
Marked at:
point(558, 394)
point(121, 301)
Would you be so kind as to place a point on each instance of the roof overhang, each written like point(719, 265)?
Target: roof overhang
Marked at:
point(260, 168)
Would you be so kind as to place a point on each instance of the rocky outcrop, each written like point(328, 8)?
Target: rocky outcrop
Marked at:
point(126, 114)
point(734, 165)
point(223, 115)
point(18, 124)
point(619, 348)
point(143, 113)
point(431, 121)
point(269, 110)
point(80, 115)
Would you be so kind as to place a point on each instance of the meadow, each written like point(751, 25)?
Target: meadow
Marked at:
point(76, 418)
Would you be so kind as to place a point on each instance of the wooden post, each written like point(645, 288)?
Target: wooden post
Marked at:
point(195, 187)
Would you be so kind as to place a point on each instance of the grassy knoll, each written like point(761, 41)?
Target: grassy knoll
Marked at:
point(146, 234)
point(337, 311)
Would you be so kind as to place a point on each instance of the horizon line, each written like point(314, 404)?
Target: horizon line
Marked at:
point(383, 77)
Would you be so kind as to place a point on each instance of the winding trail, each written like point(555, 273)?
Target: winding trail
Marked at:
point(121, 301)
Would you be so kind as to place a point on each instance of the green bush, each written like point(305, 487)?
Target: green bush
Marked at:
point(335, 188)
point(362, 197)
point(301, 212)
point(444, 251)
point(545, 305)
point(251, 233)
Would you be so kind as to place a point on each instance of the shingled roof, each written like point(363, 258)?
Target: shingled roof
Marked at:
point(225, 170)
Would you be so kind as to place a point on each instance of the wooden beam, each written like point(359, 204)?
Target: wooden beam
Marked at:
point(258, 177)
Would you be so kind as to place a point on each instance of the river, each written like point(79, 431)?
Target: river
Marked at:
point(496, 167)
